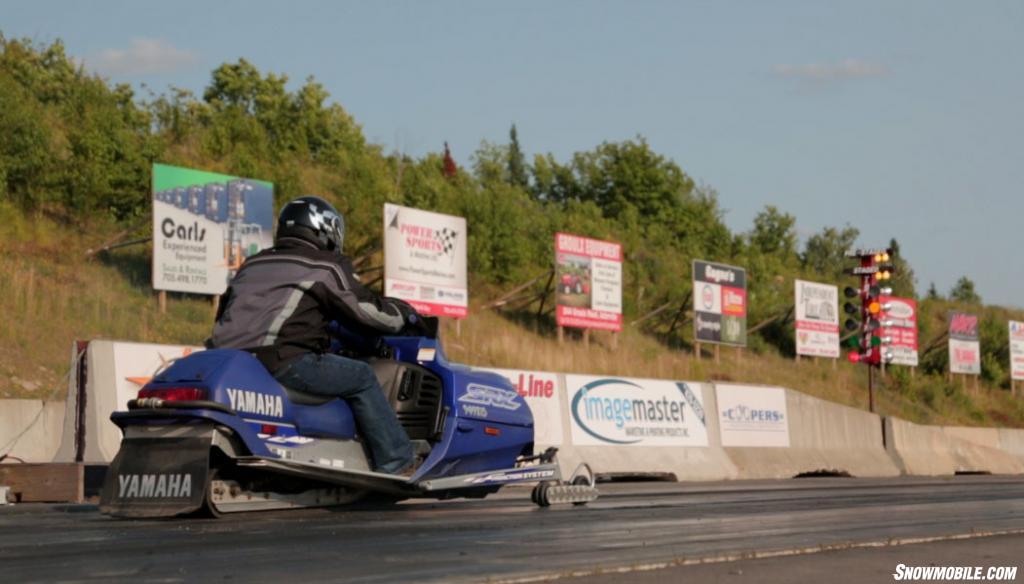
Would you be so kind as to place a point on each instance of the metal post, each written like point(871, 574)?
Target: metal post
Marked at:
point(871, 389)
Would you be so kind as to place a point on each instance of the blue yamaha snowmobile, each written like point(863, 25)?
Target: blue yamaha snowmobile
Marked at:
point(215, 433)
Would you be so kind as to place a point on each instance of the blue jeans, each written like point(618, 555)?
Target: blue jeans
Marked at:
point(355, 382)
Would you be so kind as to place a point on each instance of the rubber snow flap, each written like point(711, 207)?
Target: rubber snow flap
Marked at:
point(159, 477)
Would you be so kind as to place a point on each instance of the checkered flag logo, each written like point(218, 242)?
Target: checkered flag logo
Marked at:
point(447, 238)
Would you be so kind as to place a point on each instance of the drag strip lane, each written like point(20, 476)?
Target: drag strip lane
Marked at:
point(505, 537)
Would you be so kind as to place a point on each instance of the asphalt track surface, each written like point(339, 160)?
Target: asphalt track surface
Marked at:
point(639, 532)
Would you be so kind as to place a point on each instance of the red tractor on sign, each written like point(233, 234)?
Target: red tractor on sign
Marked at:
point(574, 284)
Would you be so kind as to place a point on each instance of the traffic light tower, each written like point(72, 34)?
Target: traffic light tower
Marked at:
point(869, 321)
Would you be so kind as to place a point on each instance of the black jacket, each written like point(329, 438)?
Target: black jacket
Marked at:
point(281, 301)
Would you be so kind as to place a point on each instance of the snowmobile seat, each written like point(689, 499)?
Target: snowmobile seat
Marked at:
point(303, 398)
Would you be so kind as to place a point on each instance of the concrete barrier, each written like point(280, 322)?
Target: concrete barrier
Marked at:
point(42, 422)
point(820, 436)
point(1011, 441)
point(114, 373)
point(934, 450)
point(824, 437)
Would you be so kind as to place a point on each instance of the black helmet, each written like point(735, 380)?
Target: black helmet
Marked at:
point(314, 220)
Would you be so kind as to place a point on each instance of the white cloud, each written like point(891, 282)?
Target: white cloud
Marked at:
point(822, 72)
point(143, 56)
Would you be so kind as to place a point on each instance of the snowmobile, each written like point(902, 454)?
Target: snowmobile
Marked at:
point(215, 433)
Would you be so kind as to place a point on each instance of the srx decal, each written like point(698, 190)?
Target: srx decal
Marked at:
point(485, 395)
point(253, 402)
point(147, 486)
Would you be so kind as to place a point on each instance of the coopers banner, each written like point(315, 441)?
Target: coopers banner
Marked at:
point(719, 303)
point(425, 260)
point(817, 319)
point(613, 411)
point(752, 416)
point(588, 277)
point(205, 225)
point(903, 332)
point(1017, 350)
point(541, 392)
point(964, 348)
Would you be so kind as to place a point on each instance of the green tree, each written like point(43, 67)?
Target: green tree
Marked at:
point(963, 291)
point(824, 252)
point(903, 280)
point(774, 232)
point(517, 176)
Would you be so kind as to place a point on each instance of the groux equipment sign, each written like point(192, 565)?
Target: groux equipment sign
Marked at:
point(719, 303)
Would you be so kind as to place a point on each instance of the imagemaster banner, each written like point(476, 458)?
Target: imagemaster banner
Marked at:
point(719, 303)
point(817, 319)
point(588, 281)
point(425, 260)
point(1016, 350)
point(615, 411)
point(541, 392)
point(964, 347)
point(205, 225)
point(752, 416)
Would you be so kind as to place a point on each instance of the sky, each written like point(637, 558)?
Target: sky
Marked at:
point(902, 119)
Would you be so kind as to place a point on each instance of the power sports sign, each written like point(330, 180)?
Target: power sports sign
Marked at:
point(1016, 350)
point(425, 260)
point(817, 319)
point(719, 303)
point(635, 412)
point(205, 225)
point(588, 278)
point(964, 347)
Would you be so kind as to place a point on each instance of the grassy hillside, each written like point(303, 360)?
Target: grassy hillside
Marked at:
point(52, 294)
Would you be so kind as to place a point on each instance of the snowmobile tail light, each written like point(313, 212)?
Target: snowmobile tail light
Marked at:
point(174, 393)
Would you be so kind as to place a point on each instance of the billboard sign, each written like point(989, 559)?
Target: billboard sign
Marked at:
point(903, 332)
point(964, 347)
point(719, 303)
point(752, 416)
point(817, 319)
point(205, 225)
point(542, 393)
point(588, 282)
point(425, 260)
point(612, 411)
point(1016, 350)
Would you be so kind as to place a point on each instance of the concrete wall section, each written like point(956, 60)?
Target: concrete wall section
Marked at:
point(1011, 441)
point(823, 437)
point(42, 423)
point(933, 451)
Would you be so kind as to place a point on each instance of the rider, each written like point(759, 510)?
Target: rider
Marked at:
point(280, 303)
